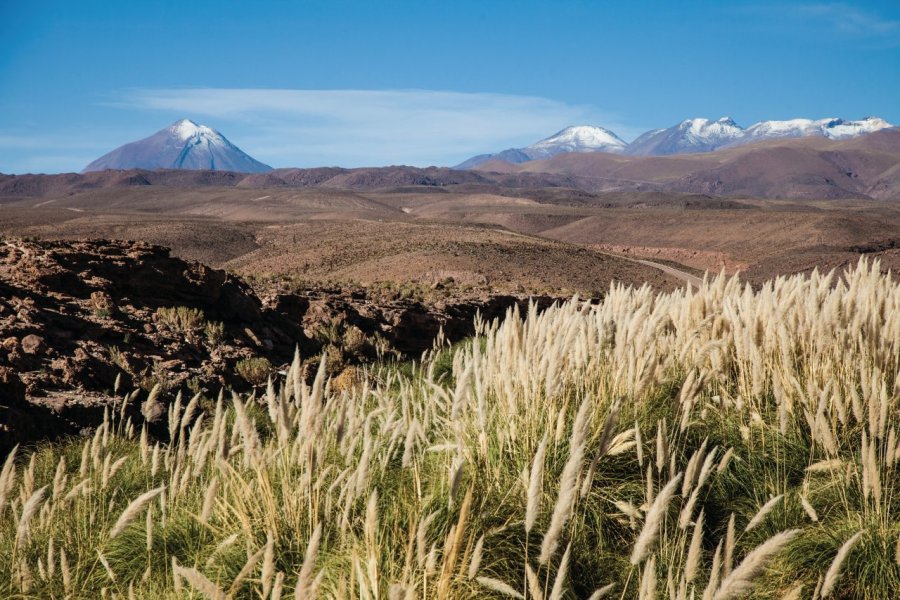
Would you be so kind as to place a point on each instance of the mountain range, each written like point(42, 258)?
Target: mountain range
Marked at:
point(688, 137)
point(812, 167)
point(182, 145)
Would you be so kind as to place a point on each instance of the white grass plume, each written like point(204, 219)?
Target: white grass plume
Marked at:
point(28, 511)
point(650, 531)
point(199, 582)
point(834, 571)
point(500, 587)
point(742, 579)
point(764, 510)
point(533, 504)
point(134, 509)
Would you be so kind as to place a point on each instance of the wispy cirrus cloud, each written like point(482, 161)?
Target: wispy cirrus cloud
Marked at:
point(833, 18)
point(290, 127)
point(849, 19)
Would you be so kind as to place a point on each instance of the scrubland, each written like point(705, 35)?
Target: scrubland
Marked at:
point(714, 443)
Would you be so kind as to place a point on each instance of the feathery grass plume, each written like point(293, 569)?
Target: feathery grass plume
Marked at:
point(834, 571)
point(628, 509)
point(793, 593)
point(662, 446)
point(648, 580)
point(728, 557)
point(568, 483)
point(105, 563)
point(692, 563)
point(29, 509)
point(650, 532)
point(725, 461)
point(475, 561)
point(65, 571)
point(148, 529)
point(7, 476)
point(501, 587)
point(534, 583)
point(245, 571)
point(561, 573)
point(533, 503)
point(268, 567)
point(199, 582)
point(763, 512)
point(743, 578)
point(304, 588)
point(810, 511)
point(134, 509)
point(209, 499)
point(602, 592)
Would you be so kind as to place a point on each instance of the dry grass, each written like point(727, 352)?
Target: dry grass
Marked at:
point(715, 443)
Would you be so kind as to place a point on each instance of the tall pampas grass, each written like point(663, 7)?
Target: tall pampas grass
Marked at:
point(650, 531)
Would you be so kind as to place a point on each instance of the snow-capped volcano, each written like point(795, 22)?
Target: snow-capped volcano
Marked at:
point(577, 138)
point(691, 135)
point(182, 145)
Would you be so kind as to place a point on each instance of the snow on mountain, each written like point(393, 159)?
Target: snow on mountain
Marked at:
point(182, 145)
point(836, 129)
point(705, 135)
point(691, 135)
point(578, 138)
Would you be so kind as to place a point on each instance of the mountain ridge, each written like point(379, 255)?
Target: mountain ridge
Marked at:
point(696, 135)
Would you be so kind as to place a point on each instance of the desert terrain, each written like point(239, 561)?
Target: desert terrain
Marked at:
point(477, 237)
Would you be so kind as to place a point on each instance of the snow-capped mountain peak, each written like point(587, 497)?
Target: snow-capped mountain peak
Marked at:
point(576, 138)
point(579, 138)
point(182, 145)
point(186, 129)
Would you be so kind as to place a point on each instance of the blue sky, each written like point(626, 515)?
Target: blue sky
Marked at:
point(339, 82)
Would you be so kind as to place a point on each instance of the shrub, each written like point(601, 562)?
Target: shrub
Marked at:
point(215, 333)
point(180, 318)
point(254, 371)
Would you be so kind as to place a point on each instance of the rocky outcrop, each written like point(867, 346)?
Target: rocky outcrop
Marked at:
point(81, 322)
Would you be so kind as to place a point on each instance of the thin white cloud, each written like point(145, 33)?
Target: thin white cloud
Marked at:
point(370, 127)
point(829, 18)
point(849, 19)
